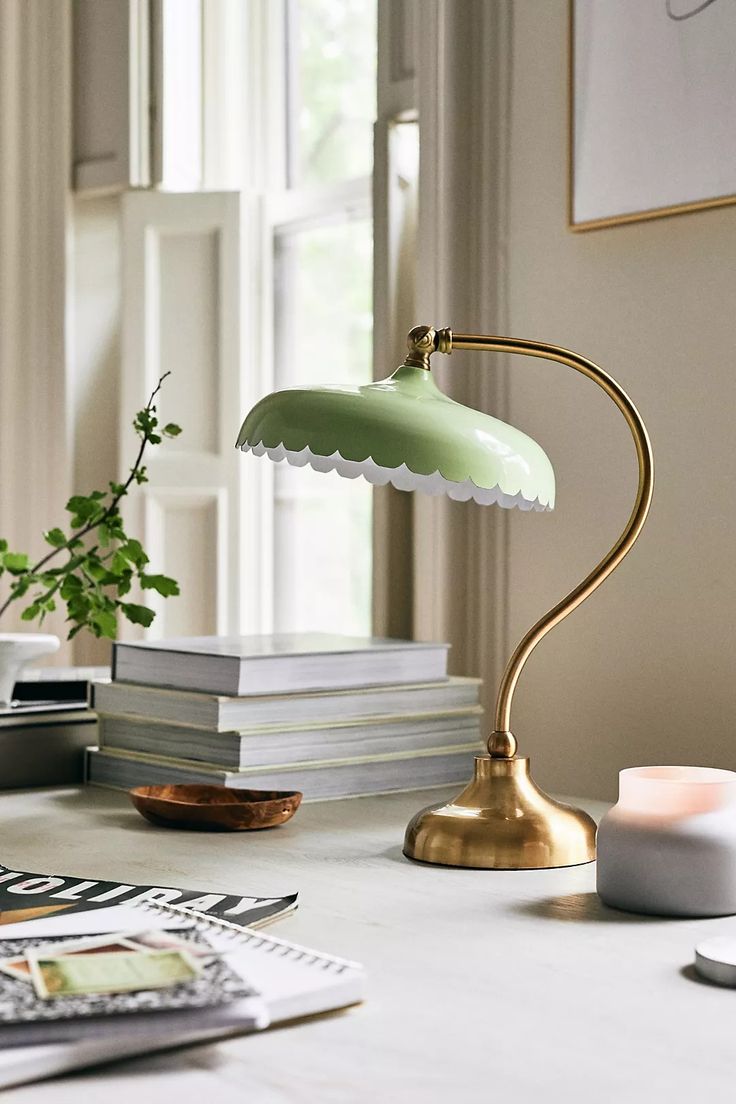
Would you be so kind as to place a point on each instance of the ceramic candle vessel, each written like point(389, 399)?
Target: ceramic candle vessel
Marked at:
point(17, 649)
point(668, 846)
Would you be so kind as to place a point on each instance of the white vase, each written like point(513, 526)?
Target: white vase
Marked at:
point(669, 846)
point(17, 649)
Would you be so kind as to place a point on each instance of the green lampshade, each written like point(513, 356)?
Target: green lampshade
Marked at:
point(406, 432)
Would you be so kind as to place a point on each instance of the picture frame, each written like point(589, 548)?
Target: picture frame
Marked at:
point(652, 85)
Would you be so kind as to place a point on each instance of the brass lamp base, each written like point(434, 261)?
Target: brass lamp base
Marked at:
point(501, 821)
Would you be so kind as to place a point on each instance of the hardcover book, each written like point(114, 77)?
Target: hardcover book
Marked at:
point(332, 778)
point(221, 713)
point(270, 747)
point(277, 663)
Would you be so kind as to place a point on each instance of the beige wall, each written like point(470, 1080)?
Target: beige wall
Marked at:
point(644, 672)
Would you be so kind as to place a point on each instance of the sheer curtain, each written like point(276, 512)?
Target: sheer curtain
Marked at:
point(35, 474)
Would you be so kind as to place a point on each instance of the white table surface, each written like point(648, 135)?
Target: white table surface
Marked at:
point(483, 985)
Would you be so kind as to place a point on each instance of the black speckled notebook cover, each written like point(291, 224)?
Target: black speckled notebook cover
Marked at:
point(217, 984)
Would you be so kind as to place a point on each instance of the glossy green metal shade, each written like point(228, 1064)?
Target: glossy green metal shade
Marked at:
point(404, 431)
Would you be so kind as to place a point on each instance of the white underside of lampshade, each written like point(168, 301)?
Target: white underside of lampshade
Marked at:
point(402, 477)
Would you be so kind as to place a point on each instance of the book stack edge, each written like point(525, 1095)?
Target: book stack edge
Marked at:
point(330, 716)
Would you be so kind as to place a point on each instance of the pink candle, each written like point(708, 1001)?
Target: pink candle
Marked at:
point(669, 844)
point(675, 791)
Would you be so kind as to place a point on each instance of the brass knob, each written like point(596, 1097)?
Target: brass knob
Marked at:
point(501, 745)
point(421, 340)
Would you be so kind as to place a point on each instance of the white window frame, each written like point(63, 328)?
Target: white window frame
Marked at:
point(277, 209)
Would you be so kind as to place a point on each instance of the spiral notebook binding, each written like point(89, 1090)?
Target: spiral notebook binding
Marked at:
point(247, 936)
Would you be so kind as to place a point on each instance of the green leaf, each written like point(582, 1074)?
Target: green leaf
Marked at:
point(133, 552)
point(139, 615)
point(109, 579)
point(30, 613)
point(82, 506)
point(103, 532)
point(95, 569)
point(78, 607)
point(71, 586)
point(3, 545)
point(162, 583)
point(117, 489)
point(51, 574)
point(145, 422)
point(119, 564)
point(16, 562)
point(105, 621)
point(116, 531)
point(55, 538)
point(171, 430)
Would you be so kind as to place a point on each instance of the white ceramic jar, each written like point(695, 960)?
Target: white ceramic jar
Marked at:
point(668, 846)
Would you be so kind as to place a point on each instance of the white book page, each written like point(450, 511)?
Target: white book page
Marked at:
point(292, 980)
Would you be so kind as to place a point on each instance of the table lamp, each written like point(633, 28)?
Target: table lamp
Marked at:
point(403, 430)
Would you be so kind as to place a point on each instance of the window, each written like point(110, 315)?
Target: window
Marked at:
point(250, 269)
point(319, 268)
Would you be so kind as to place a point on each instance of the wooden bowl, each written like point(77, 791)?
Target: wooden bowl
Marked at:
point(214, 808)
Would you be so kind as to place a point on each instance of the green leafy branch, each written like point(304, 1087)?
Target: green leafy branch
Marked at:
point(102, 562)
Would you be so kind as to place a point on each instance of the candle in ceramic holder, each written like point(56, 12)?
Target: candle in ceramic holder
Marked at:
point(668, 846)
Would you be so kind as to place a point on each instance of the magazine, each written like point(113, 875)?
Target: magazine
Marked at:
point(40, 905)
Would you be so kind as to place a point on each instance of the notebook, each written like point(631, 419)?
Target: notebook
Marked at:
point(211, 993)
point(281, 981)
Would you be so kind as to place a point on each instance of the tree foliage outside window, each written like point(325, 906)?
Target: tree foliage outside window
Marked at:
point(332, 89)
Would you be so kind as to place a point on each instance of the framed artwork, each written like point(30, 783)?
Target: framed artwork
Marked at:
point(652, 108)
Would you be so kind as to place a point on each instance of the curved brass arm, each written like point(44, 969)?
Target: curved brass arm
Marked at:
point(502, 744)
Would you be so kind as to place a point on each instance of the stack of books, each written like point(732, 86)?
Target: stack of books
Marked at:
point(92, 972)
point(330, 716)
point(44, 733)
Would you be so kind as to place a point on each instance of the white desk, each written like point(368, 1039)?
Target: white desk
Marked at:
point(483, 986)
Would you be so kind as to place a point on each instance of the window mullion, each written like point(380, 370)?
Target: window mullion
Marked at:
point(312, 206)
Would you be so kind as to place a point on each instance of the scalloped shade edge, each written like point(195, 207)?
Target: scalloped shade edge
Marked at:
point(402, 477)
